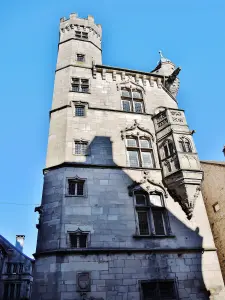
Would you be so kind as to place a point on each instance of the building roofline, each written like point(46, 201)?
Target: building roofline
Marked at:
point(129, 70)
point(14, 247)
point(213, 162)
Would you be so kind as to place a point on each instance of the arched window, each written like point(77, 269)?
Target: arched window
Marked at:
point(168, 148)
point(140, 152)
point(151, 213)
point(185, 145)
point(132, 100)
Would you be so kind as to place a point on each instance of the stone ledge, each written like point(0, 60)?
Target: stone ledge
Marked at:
point(129, 251)
point(151, 236)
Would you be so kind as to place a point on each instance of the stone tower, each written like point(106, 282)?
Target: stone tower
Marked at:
point(122, 215)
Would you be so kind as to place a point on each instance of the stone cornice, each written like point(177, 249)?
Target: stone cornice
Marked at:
point(92, 251)
point(83, 165)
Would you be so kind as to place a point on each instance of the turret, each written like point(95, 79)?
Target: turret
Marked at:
point(79, 42)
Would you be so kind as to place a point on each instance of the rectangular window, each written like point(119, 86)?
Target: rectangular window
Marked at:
point(78, 34)
point(9, 268)
point(147, 159)
point(75, 187)
point(80, 148)
point(143, 222)
point(79, 110)
point(158, 219)
point(81, 57)
point(6, 291)
point(141, 200)
point(20, 268)
point(159, 290)
point(138, 107)
point(80, 85)
point(85, 35)
point(15, 268)
point(131, 143)
point(133, 158)
point(78, 240)
point(126, 105)
point(18, 288)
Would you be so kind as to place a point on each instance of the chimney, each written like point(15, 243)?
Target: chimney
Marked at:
point(20, 242)
point(223, 150)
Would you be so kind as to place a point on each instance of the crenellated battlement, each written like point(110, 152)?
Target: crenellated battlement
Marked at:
point(84, 24)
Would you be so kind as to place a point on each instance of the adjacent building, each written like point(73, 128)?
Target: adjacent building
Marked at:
point(122, 214)
point(213, 190)
point(15, 270)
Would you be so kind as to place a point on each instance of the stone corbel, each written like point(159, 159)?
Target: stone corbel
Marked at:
point(185, 198)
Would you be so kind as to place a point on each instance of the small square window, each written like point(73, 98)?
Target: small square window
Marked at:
point(141, 199)
point(78, 34)
point(85, 35)
point(79, 110)
point(75, 187)
point(216, 207)
point(78, 240)
point(80, 148)
point(81, 57)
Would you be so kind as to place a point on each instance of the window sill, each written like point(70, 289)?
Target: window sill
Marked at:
point(79, 92)
point(151, 236)
point(76, 196)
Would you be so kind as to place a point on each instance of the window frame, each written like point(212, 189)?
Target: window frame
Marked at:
point(9, 285)
point(132, 100)
point(183, 142)
point(149, 209)
point(79, 106)
point(76, 180)
point(77, 234)
point(79, 83)
point(139, 149)
point(157, 281)
point(81, 55)
point(82, 35)
point(80, 142)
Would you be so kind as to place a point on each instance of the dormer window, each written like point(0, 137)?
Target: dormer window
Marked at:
point(132, 100)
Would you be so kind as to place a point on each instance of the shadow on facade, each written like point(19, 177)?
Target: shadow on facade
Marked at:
point(174, 255)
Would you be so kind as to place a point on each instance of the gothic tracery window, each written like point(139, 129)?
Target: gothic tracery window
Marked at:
point(185, 145)
point(140, 152)
point(132, 100)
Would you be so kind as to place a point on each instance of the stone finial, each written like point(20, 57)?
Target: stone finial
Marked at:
point(162, 58)
point(223, 150)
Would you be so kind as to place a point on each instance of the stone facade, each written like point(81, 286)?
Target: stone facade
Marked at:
point(214, 196)
point(15, 270)
point(122, 214)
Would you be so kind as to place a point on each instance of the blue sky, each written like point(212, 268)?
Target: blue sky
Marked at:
point(190, 33)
